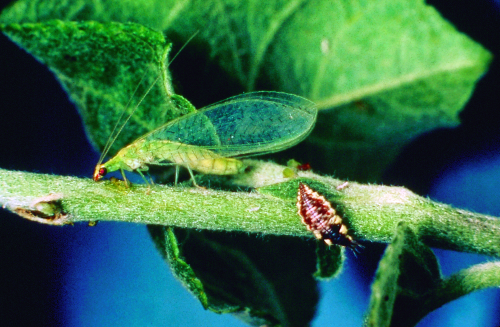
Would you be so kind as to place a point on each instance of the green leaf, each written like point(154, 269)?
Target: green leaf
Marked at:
point(390, 70)
point(330, 260)
point(102, 66)
point(261, 280)
point(154, 14)
point(407, 271)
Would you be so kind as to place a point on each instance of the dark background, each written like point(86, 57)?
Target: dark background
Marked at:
point(111, 274)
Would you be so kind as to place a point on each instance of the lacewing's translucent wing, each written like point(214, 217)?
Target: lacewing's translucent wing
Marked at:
point(249, 124)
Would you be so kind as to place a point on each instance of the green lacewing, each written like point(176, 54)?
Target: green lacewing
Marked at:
point(212, 139)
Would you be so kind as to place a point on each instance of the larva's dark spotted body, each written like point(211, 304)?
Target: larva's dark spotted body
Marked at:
point(321, 218)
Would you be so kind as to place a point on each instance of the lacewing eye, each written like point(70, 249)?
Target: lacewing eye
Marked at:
point(103, 171)
point(322, 219)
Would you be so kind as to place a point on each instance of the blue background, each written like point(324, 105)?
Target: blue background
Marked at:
point(111, 274)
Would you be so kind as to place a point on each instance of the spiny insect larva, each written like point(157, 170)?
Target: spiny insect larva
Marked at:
point(322, 219)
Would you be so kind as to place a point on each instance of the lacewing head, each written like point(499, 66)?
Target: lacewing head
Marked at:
point(322, 219)
point(99, 172)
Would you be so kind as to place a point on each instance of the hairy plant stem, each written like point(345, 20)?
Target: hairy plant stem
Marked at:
point(371, 211)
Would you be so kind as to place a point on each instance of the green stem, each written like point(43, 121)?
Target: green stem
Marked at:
point(464, 282)
point(371, 211)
